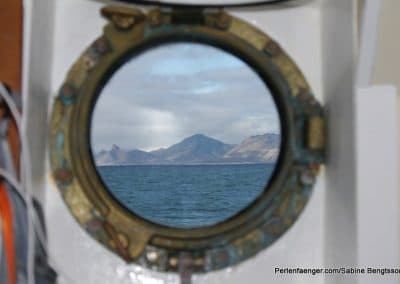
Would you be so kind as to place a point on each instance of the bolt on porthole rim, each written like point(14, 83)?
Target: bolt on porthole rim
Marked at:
point(129, 32)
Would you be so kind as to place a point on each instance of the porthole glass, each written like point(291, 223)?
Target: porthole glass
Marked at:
point(185, 135)
point(187, 110)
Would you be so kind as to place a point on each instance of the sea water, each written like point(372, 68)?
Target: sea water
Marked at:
point(186, 196)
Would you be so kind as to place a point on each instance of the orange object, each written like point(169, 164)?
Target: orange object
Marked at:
point(6, 215)
point(11, 43)
point(11, 35)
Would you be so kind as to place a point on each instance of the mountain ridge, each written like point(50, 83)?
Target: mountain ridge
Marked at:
point(198, 149)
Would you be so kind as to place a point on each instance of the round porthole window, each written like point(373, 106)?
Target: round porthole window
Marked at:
point(185, 137)
point(195, 139)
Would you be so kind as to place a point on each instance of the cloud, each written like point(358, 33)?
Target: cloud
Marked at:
point(174, 91)
point(142, 128)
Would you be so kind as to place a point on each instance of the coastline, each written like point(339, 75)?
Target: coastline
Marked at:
point(189, 164)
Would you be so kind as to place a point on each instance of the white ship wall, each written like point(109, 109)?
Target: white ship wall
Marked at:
point(320, 36)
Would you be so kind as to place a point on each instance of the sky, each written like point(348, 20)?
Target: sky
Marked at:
point(173, 91)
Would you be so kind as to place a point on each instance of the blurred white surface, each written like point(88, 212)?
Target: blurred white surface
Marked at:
point(339, 65)
point(377, 182)
point(320, 36)
point(77, 23)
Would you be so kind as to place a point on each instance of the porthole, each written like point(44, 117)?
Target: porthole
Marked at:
point(185, 137)
point(198, 139)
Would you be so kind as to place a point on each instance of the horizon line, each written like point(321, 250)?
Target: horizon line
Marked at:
point(188, 164)
point(182, 139)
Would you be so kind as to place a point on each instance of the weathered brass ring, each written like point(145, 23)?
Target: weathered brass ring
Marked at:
point(129, 32)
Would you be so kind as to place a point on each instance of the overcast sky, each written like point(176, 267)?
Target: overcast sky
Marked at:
point(174, 91)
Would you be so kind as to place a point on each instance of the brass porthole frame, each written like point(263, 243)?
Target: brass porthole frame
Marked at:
point(129, 32)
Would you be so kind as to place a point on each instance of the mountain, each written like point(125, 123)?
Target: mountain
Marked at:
point(117, 156)
point(194, 149)
point(261, 148)
point(198, 149)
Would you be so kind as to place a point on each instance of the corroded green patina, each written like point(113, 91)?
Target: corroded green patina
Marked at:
point(129, 32)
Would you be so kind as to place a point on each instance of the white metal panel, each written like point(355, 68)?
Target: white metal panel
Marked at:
point(298, 30)
point(37, 68)
point(377, 182)
point(338, 45)
point(311, 242)
point(368, 36)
